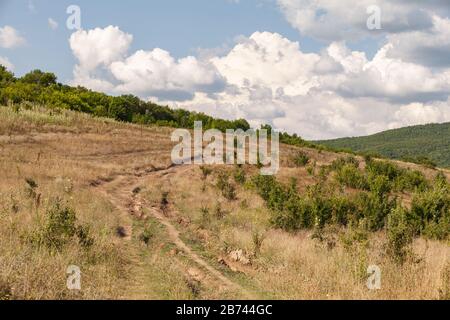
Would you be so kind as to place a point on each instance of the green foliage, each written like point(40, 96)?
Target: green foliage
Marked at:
point(430, 212)
point(428, 145)
point(373, 209)
point(351, 176)
point(60, 227)
point(39, 78)
point(340, 162)
point(380, 177)
point(42, 88)
point(301, 159)
point(399, 235)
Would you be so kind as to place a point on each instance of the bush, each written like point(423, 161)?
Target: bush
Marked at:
point(373, 209)
point(60, 228)
point(430, 213)
point(379, 185)
point(301, 159)
point(340, 162)
point(351, 176)
point(384, 168)
point(399, 235)
point(411, 180)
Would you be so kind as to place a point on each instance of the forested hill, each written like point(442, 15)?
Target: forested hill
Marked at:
point(42, 88)
point(415, 143)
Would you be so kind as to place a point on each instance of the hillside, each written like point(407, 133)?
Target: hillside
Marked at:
point(103, 195)
point(430, 141)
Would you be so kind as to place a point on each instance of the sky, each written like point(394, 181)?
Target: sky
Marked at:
point(319, 68)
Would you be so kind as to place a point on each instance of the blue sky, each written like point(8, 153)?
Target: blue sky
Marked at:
point(180, 27)
point(313, 67)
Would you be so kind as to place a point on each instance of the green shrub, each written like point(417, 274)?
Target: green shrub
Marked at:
point(350, 176)
point(60, 227)
point(373, 209)
point(411, 180)
point(384, 168)
point(301, 159)
point(379, 185)
point(340, 162)
point(399, 235)
point(440, 179)
point(430, 212)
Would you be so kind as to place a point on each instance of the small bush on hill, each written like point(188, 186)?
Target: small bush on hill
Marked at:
point(301, 159)
point(399, 235)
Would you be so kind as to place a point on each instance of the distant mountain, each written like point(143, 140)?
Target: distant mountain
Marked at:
point(415, 143)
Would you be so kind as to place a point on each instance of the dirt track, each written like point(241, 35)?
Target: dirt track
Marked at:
point(119, 191)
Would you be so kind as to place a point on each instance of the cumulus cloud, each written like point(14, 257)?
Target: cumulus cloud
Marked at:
point(95, 51)
point(336, 93)
point(104, 65)
point(430, 48)
point(6, 63)
point(266, 78)
point(347, 19)
point(157, 72)
point(10, 38)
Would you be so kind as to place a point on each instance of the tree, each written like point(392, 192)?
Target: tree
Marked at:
point(40, 78)
point(5, 76)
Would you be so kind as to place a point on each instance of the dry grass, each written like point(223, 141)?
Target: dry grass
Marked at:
point(67, 154)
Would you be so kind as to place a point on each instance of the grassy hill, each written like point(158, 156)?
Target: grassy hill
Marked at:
point(410, 143)
point(103, 195)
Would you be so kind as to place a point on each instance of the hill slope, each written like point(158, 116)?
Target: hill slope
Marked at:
point(104, 196)
point(431, 141)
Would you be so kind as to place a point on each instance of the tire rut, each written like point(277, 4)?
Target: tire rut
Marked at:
point(122, 197)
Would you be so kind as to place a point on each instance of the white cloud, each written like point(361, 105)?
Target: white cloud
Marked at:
point(102, 61)
point(94, 49)
point(10, 38)
point(266, 78)
point(429, 48)
point(6, 63)
point(337, 93)
point(347, 19)
point(269, 60)
point(99, 46)
point(156, 71)
point(52, 24)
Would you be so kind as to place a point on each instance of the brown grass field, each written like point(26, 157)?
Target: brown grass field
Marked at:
point(165, 232)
